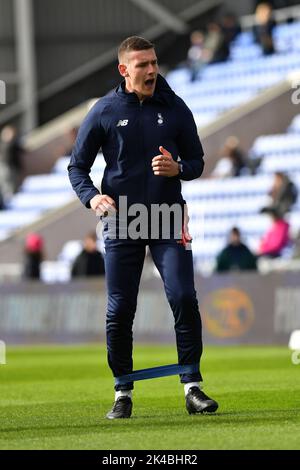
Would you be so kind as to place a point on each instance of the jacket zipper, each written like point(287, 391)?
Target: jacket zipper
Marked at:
point(143, 153)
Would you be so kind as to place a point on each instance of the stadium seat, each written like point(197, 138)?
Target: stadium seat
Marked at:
point(217, 205)
point(41, 183)
point(40, 193)
point(225, 85)
point(14, 219)
point(271, 144)
point(43, 202)
point(70, 250)
point(285, 163)
point(295, 125)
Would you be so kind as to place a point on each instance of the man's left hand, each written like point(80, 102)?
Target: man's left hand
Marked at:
point(164, 165)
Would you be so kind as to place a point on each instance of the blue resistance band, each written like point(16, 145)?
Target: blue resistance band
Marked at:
point(154, 372)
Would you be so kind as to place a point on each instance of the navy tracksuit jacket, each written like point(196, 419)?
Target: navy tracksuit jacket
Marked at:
point(129, 134)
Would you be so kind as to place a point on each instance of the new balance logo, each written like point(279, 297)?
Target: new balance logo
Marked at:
point(122, 122)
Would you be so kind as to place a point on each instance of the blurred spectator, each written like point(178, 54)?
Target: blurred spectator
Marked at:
point(90, 261)
point(276, 238)
point(283, 195)
point(195, 56)
point(236, 256)
point(33, 256)
point(215, 45)
point(263, 28)
point(65, 147)
point(230, 27)
point(11, 153)
point(296, 246)
point(233, 161)
point(2, 205)
point(70, 140)
point(208, 49)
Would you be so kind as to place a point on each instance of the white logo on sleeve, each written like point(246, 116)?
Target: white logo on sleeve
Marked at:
point(122, 123)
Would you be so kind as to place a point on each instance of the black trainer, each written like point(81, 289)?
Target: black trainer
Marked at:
point(122, 408)
point(197, 402)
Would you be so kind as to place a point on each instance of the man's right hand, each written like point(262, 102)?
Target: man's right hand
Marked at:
point(103, 205)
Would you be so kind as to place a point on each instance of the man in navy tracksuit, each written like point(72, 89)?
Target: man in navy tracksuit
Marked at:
point(149, 141)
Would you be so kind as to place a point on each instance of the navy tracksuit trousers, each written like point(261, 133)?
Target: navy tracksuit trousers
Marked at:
point(124, 261)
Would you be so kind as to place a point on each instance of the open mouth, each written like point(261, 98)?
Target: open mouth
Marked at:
point(150, 82)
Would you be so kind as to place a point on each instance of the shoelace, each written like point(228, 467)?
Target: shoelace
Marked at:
point(199, 394)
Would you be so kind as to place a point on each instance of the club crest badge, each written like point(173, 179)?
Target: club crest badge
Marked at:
point(160, 119)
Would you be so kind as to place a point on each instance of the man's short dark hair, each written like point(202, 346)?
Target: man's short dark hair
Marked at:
point(134, 43)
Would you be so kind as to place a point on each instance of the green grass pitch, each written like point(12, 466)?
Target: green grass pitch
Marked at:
point(56, 397)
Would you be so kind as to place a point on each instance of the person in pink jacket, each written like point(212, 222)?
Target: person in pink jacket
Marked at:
point(276, 238)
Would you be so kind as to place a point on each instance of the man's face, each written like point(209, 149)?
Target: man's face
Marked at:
point(90, 245)
point(140, 70)
point(235, 239)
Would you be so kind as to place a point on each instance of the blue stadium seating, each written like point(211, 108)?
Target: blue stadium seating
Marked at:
point(295, 125)
point(41, 193)
point(216, 205)
point(276, 144)
point(226, 85)
point(14, 219)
